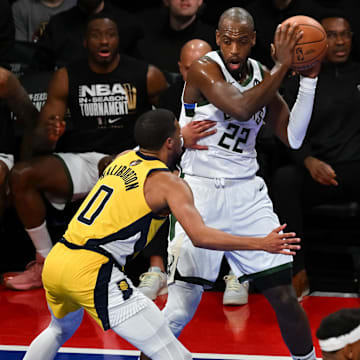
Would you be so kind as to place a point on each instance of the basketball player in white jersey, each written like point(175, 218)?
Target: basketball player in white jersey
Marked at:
point(240, 95)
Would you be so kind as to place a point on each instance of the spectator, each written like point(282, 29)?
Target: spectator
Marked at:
point(32, 16)
point(349, 10)
point(175, 24)
point(62, 40)
point(327, 166)
point(339, 335)
point(105, 94)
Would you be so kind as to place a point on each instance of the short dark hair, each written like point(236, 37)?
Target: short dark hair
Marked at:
point(338, 323)
point(153, 128)
point(100, 15)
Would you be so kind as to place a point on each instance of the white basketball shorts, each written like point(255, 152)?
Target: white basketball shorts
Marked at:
point(238, 206)
point(83, 172)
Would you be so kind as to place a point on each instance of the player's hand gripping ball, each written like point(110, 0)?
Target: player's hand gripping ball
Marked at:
point(311, 48)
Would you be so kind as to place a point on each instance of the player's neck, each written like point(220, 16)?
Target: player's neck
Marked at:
point(244, 75)
point(159, 154)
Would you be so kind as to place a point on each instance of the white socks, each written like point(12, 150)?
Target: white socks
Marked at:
point(155, 269)
point(41, 239)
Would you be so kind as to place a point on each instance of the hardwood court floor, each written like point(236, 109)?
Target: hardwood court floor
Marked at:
point(216, 332)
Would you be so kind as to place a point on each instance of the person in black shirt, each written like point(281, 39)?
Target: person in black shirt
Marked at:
point(62, 39)
point(327, 166)
point(175, 24)
point(105, 94)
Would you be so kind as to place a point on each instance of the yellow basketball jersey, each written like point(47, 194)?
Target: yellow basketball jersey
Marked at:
point(115, 218)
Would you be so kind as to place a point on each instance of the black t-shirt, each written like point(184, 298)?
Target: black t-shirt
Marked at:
point(171, 98)
point(104, 107)
point(161, 44)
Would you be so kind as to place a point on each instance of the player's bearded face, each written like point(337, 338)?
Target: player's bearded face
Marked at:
point(178, 143)
point(235, 41)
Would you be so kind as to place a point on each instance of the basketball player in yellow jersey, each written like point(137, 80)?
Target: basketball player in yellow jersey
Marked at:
point(117, 219)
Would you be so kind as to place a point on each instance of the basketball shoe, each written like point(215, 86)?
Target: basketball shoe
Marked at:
point(235, 293)
point(28, 279)
point(153, 283)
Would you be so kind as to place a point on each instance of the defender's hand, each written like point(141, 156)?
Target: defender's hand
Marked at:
point(196, 130)
point(281, 243)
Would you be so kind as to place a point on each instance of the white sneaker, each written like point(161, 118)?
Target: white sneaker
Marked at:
point(235, 293)
point(153, 283)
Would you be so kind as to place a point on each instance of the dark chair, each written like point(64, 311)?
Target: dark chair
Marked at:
point(332, 233)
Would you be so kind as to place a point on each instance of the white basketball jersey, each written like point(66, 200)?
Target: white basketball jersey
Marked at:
point(231, 151)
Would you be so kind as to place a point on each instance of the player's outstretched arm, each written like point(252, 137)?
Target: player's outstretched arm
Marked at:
point(179, 198)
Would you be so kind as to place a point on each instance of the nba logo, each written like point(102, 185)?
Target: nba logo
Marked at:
point(299, 54)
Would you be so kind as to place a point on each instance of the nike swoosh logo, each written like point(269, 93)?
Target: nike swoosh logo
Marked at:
point(262, 187)
point(111, 121)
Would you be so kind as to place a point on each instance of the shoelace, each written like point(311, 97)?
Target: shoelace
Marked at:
point(232, 283)
point(147, 279)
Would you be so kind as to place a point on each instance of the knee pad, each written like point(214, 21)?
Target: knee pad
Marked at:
point(183, 300)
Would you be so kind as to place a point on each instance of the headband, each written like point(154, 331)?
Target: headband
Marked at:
point(337, 343)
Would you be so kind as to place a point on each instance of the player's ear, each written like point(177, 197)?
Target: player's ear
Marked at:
point(169, 142)
point(217, 34)
point(253, 39)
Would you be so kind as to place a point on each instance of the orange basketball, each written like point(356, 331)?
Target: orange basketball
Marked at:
point(311, 48)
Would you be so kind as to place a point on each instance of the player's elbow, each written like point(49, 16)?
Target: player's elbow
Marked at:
point(242, 114)
point(244, 111)
point(294, 143)
point(198, 239)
